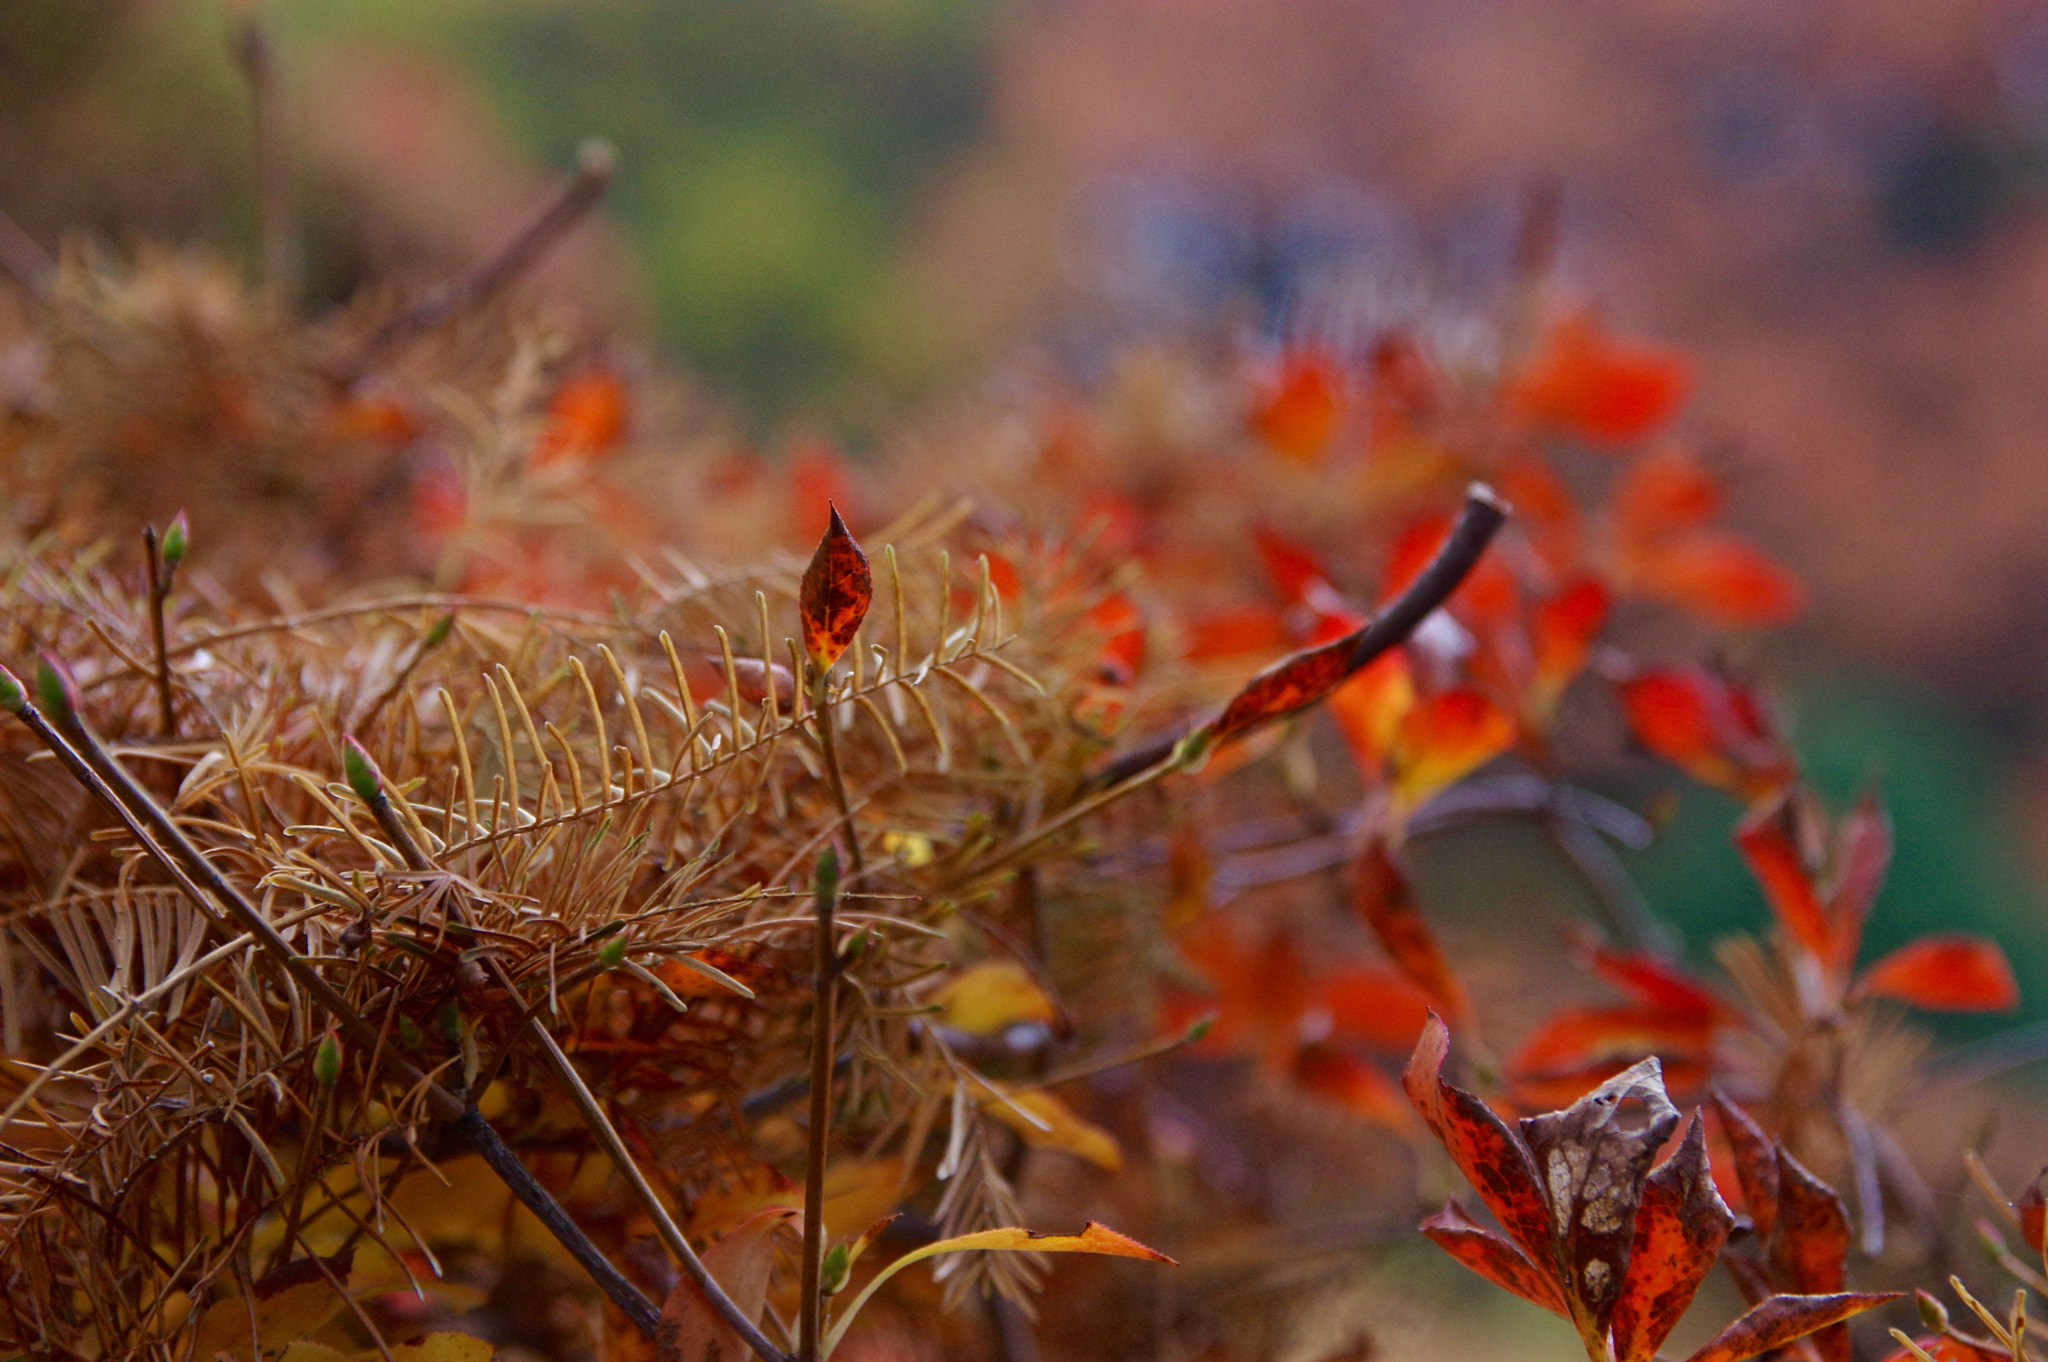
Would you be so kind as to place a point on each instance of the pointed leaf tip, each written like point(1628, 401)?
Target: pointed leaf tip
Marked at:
point(835, 594)
point(13, 698)
point(56, 692)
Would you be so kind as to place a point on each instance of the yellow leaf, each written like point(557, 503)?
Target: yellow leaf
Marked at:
point(983, 999)
point(289, 1304)
point(446, 1346)
point(1093, 1238)
point(1061, 1128)
point(305, 1350)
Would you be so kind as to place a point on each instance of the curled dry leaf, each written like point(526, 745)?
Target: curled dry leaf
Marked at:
point(834, 596)
point(691, 1330)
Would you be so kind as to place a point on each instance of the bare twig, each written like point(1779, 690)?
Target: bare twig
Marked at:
point(277, 246)
point(563, 210)
point(824, 991)
point(821, 709)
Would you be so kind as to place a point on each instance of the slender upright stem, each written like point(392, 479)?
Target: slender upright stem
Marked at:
point(824, 994)
point(159, 594)
point(256, 54)
point(821, 686)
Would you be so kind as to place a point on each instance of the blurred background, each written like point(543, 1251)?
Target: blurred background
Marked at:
point(833, 211)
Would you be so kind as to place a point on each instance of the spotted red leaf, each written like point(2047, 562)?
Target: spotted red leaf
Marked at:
point(1681, 1225)
point(1946, 972)
point(1781, 1319)
point(1493, 1258)
point(1595, 1156)
point(1293, 683)
point(1385, 898)
point(834, 596)
point(1492, 1157)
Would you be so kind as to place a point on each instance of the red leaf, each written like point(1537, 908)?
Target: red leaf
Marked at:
point(1385, 897)
point(1711, 729)
point(1654, 984)
point(1234, 632)
point(1298, 413)
point(1782, 1319)
point(1291, 684)
point(1608, 393)
point(1444, 739)
point(1373, 1006)
point(1492, 1158)
point(1948, 972)
point(1810, 1240)
point(1293, 570)
point(1769, 844)
point(1493, 1258)
point(2033, 1212)
point(1546, 509)
point(691, 1330)
point(586, 417)
point(1720, 578)
point(1863, 852)
point(1681, 1225)
point(834, 596)
point(1756, 1164)
point(1332, 1072)
point(1596, 1170)
point(1562, 633)
point(1663, 492)
point(1578, 1038)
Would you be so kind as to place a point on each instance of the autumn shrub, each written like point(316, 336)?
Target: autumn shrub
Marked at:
point(473, 870)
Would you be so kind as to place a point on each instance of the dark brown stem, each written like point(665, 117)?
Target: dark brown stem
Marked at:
point(159, 594)
point(257, 56)
point(567, 206)
point(824, 994)
point(1478, 522)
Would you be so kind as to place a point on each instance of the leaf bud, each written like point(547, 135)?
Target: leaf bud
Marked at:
point(362, 773)
point(327, 1061)
point(177, 536)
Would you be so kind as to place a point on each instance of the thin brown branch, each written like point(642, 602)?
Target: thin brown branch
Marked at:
point(159, 593)
point(566, 207)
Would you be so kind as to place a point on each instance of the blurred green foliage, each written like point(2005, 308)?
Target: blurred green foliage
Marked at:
point(772, 154)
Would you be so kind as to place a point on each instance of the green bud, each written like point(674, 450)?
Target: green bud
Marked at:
point(451, 1022)
point(857, 947)
point(438, 635)
point(174, 541)
point(1199, 1028)
point(612, 953)
point(13, 698)
point(1932, 1314)
point(1190, 752)
point(838, 1266)
point(327, 1061)
point(409, 1034)
point(362, 773)
point(56, 693)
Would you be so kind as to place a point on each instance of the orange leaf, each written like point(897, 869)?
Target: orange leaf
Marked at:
point(1721, 578)
point(1577, 1038)
point(1233, 632)
point(1712, 729)
point(1335, 1073)
point(2032, 1208)
point(1445, 738)
point(1663, 492)
point(1368, 708)
point(586, 416)
point(1545, 507)
point(1298, 413)
point(1385, 897)
point(834, 596)
point(1948, 972)
point(1291, 684)
point(1562, 632)
point(1493, 1258)
point(691, 1330)
point(1653, 983)
point(1093, 1238)
point(1681, 1224)
point(1781, 1319)
point(1949, 1350)
point(1770, 847)
point(1607, 393)
point(1491, 1157)
point(1372, 1005)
